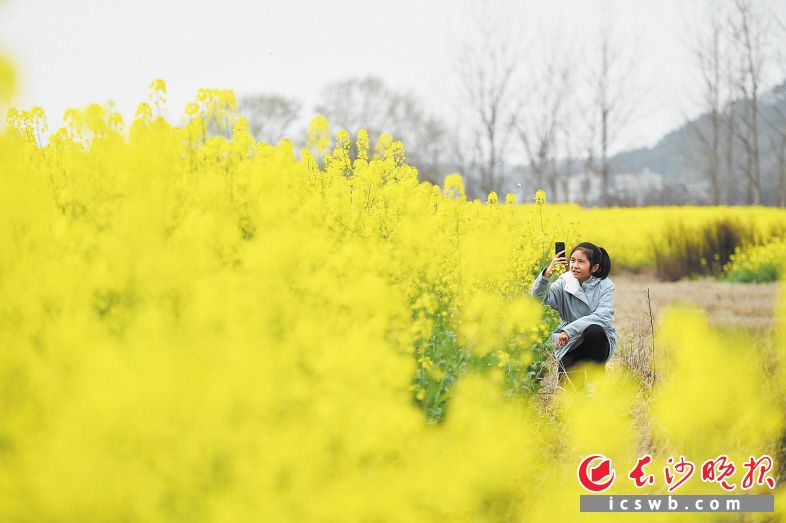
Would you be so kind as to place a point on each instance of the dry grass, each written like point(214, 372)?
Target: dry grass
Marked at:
point(734, 309)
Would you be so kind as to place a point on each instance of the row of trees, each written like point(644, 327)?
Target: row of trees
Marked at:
point(553, 103)
point(546, 111)
point(504, 119)
point(735, 55)
point(357, 103)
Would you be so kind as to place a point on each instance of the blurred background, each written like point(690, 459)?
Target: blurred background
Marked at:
point(598, 102)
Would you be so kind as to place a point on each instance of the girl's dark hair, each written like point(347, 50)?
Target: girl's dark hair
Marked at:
point(596, 255)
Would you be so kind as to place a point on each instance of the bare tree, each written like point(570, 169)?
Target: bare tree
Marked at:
point(776, 123)
point(486, 70)
point(430, 156)
point(708, 53)
point(613, 102)
point(749, 23)
point(541, 118)
point(270, 117)
point(729, 120)
point(778, 144)
point(368, 103)
point(568, 154)
point(729, 124)
point(359, 103)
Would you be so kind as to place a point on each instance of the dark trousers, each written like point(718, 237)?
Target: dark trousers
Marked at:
point(593, 348)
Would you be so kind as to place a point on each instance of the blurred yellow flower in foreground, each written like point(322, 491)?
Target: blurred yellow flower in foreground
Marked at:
point(196, 326)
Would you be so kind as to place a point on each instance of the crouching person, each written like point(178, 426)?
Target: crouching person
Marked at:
point(584, 298)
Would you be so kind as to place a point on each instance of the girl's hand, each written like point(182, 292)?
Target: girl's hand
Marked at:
point(559, 259)
point(562, 339)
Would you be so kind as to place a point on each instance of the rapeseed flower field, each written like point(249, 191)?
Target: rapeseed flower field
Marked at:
point(196, 326)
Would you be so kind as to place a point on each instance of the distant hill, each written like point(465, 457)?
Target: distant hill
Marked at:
point(665, 158)
point(677, 156)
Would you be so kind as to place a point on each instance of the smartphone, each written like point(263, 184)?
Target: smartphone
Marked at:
point(559, 247)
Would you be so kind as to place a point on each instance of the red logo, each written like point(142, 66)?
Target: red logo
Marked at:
point(591, 477)
point(596, 474)
point(683, 467)
point(717, 470)
point(763, 465)
point(638, 475)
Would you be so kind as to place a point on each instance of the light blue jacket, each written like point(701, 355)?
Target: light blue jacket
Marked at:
point(579, 306)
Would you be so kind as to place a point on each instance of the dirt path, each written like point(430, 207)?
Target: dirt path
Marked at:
point(732, 305)
point(727, 304)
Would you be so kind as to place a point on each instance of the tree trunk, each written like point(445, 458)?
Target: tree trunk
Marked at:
point(729, 172)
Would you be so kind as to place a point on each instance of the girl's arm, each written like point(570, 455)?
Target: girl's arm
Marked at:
point(602, 315)
point(550, 296)
point(540, 286)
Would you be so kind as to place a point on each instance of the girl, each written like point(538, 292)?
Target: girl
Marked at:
point(584, 299)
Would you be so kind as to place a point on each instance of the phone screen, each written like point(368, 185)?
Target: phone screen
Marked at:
point(559, 247)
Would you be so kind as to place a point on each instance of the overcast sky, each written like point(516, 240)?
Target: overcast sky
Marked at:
point(72, 52)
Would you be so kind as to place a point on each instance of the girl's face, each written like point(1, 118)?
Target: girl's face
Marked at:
point(580, 265)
